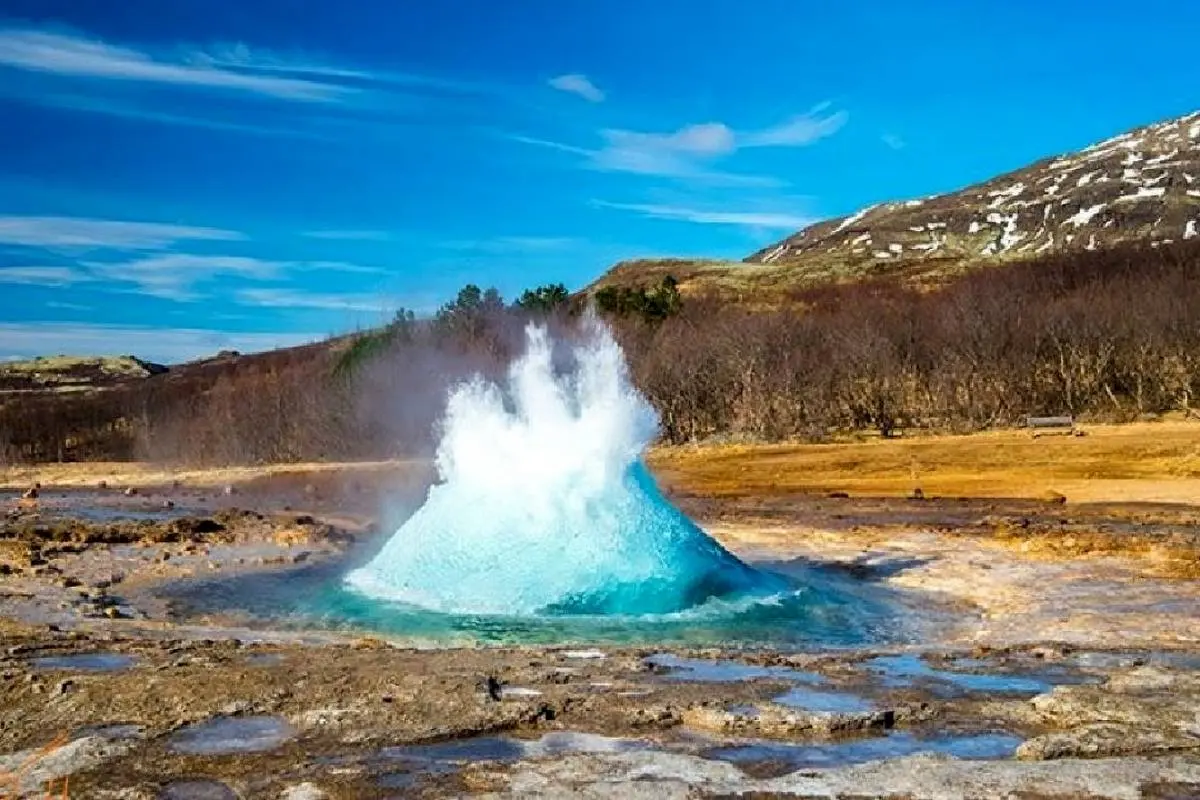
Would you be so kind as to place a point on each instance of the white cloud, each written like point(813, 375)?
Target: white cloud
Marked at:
point(893, 141)
point(800, 130)
point(42, 276)
point(290, 298)
point(173, 276)
point(753, 219)
point(552, 145)
point(169, 345)
point(62, 54)
point(350, 235)
point(513, 244)
point(687, 153)
point(81, 233)
point(240, 55)
point(578, 85)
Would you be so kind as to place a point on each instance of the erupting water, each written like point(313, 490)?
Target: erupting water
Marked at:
point(545, 508)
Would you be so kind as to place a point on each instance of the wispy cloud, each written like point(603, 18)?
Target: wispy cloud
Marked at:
point(799, 131)
point(893, 141)
point(689, 152)
point(642, 154)
point(512, 244)
point(350, 235)
point(127, 107)
point(173, 276)
point(290, 298)
point(42, 276)
point(239, 55)
point(84, 233)
point(552, 145)
point(77, 56)
point(752, 219)
point(170, 345)
point(579, 85)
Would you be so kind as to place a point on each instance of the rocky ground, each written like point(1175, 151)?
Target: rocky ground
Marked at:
point(1059, 658)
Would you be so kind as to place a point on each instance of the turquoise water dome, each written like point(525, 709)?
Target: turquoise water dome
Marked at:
point(545, 508)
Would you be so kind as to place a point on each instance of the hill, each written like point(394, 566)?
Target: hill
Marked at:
point(1140, 186)
point(73, 373)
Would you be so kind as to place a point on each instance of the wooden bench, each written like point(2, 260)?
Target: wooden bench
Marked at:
point(1040, 425)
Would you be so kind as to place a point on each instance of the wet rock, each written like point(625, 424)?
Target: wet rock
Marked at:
point(197, 790)
point(1103, 740)
point(38, 767)
point(776, 722)
point(649, 774)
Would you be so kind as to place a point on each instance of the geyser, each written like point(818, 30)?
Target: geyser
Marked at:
point(544, 506)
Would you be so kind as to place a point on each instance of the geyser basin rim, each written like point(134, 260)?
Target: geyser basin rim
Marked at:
point(712, 608)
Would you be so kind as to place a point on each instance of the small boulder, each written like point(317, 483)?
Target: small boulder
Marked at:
point(1051, 496)
point(131, 491)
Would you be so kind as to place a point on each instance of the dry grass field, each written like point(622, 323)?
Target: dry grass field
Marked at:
point(1139, 462)
point(1155, 462)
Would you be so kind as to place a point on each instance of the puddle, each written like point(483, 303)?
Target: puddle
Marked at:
point(459, 751)
point(561, 742)
point(197, 790)
point(818, 702)
point(85, 662)
point(705, 671)
point(227, 735)
point(771, 759)
point(101, 514)
point(110, 732)
point(903, 671)
point(501, 748)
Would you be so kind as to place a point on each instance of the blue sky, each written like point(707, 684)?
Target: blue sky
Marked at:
point(180, 177)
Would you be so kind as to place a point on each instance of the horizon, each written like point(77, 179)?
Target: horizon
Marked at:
point(218, 177)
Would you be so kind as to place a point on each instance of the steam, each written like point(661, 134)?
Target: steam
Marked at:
point(544, 506)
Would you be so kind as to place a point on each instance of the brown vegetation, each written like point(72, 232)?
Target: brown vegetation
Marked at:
point(1107, 335)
